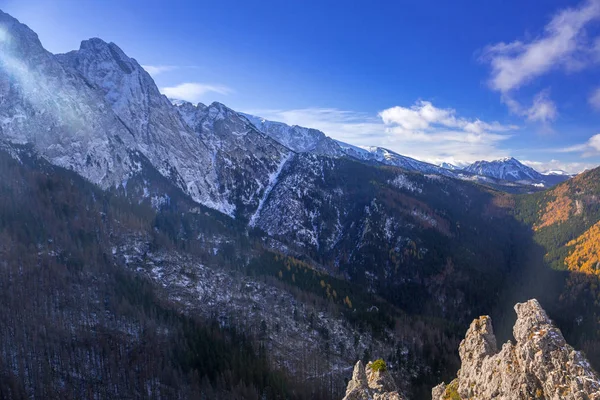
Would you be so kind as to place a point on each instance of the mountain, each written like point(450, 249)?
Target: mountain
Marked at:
point(246, 161)
point(307, 140)
point(510, 169)
point(507, 168)
point(50, 106)
point(229, 172)
point(105, 118)
point(297, 138)
point(213, 255)
point(449, 166)
point(388, 157)
point(540, 364)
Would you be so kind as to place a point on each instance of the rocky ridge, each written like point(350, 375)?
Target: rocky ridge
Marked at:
point(540, 365)
point(511, 169)
point(371, 383)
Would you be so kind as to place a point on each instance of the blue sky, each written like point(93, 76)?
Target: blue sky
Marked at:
point(440, 81)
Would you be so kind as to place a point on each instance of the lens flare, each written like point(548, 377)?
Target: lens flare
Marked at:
point(3, 34)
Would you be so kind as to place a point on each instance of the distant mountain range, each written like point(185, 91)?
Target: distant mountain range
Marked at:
point(511, 169)
point(302, 140)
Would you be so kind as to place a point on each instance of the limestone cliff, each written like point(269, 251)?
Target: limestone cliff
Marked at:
point(540, 365)
point(373, 382)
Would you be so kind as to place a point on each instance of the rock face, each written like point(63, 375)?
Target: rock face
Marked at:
point(368, 383)
point(511, 169)
point(541, 365)
point(247, 162)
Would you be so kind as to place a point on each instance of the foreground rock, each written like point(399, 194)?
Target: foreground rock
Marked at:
point(373, 382)
point(541, 365)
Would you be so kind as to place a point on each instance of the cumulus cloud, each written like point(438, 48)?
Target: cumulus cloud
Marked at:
point(558, 165)
point(563, 44)
point(155, 70)
point(439, 134)
point(194, 91)
point(422, 131)
point(590, 148)
point(423, 116)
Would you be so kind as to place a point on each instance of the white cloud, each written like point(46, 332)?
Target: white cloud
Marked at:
point(194, 91)
point(436, 134)
point(543, 108)
point(424, 116)
point(422, 131)
point(563, 44)
point(594, 99)
point(553, 165)
point(591, 148)
point(155, 70)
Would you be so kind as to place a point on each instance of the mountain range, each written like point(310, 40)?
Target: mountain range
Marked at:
point(222, 253)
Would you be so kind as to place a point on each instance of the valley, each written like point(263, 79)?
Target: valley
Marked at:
point(153, 248)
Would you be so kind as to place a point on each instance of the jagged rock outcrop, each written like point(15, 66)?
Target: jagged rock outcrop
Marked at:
point(540, 365)
point(370, 383)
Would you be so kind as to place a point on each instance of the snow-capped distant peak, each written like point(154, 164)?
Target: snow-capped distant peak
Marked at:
point(511, 169)
point(449, 166)
point(507, 168)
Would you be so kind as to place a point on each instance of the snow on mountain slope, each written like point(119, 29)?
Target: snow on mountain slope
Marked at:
point(307, 140)
point(449, 166)
point(506, 168)
point(158, 130)
point(96, 111)
point(510, 169)
point(388, 157)
point(49, 106)
point(297, 138)
point(302, 207)
point(246, 160)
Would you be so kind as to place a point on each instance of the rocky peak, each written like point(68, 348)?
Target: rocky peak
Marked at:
point(540, 365)
point(108, 52)
point(48, 105)
point(373, 382)
point(17, 36)
point(126, 86)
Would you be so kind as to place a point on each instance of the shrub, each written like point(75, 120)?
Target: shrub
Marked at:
point(379, 365)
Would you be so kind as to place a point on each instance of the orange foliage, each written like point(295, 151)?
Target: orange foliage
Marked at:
point(557, 210)
point(585, 257)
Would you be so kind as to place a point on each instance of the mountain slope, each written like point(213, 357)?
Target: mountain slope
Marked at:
point(104, 117)
point(562, 213)
point(247, 161)
point(297, 138)
point(388, 157)
point(510, 169)
point(388, 229)
point(50, 106)
point(158, 130)
point(307, 140)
